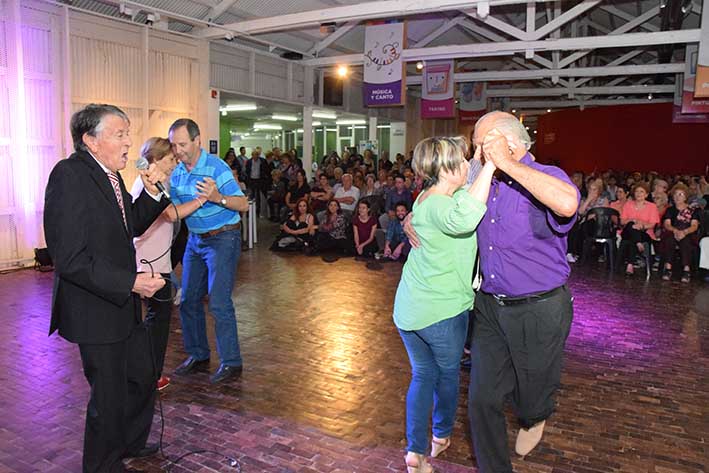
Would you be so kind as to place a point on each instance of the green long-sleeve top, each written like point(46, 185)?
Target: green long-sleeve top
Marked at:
point(436, 283)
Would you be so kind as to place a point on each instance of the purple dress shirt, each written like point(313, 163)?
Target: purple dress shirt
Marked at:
point(522, 243)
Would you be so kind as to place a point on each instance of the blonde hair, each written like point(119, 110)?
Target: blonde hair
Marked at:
point(433, 155)
point(155, 148)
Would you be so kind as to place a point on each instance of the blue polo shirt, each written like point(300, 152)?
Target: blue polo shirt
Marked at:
point(183, 185)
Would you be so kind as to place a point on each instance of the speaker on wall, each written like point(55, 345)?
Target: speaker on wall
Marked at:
point(332, 91)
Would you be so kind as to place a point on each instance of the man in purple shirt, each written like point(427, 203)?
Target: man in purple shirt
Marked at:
point(523, 309)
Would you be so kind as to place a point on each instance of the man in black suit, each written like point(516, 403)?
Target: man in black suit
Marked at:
point(89, 223)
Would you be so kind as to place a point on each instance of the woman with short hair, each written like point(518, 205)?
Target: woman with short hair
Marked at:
point(680, 225)
point(435, 291)
point(638, 218)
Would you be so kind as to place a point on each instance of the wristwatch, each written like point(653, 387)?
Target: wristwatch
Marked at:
point(223, 201)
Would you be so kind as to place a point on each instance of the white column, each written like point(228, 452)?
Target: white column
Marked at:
point(372, 128)
point(397, 139)
point(308, 139)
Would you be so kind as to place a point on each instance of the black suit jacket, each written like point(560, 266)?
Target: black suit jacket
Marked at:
point(93, 252)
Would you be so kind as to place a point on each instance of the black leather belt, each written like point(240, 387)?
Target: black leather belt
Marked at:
point(505, 301)
point(225, 228)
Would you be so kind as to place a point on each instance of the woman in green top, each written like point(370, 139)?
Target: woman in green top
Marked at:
point(435, 291)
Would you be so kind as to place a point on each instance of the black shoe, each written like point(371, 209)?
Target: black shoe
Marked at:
point(466, 363)
point(191, 365)
point(225, 373)
point(149, 450)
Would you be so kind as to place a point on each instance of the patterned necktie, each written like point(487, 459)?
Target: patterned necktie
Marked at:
point(113, 177)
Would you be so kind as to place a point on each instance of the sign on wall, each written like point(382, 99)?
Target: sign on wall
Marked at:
point(438, 90)
point(690, 102)
point(701, 84)
point(472, 101)
point(384, 74)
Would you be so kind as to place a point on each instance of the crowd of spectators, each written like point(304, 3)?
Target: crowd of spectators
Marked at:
point(659, 220)
point(355, 203)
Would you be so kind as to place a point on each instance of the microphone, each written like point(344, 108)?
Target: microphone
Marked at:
point(141, 165)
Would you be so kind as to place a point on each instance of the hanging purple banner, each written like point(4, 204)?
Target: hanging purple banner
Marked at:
point(384, 77)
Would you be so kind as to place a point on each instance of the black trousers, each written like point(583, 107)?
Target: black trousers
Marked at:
point(516, 355)
point(158, 322)
point(628, 251)
point(120, 410)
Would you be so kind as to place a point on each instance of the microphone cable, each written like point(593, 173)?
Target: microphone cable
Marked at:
point(149, 320)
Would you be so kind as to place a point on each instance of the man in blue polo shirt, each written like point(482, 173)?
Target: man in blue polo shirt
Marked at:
point(212, 253)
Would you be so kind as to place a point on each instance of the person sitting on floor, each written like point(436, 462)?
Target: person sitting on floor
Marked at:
point(364, 227)
point(298, 189)
point(680, 225)
point(397, 243)
point(297, 231)
point(332, 232)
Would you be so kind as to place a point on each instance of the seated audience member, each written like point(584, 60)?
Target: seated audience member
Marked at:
point(364, 226)
point(621, 197)
point(358, 180)
point(320, 194)
point(680, 226)
point(347, 195)
point(276, 195)
point(638, 218)
point(586, 224)
point(397, 243)
point(297, 231)
point(611, 187)
point(368, 161)
point(332, 232)
point(385, 163)
point(659, 187)
point(381, 184)
point(298, 189)
point(662, 203)
point(336, 178)
point(398, 194)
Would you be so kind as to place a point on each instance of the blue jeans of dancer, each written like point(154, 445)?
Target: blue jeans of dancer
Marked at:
point(434, 353)
point(209, 267)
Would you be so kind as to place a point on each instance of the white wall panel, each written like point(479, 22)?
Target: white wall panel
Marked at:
point(170, 81)
point(230, 78)
point(271, 78)
point(40, 39)
point(106, 71)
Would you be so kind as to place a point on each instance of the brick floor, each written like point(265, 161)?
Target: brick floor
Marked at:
point(326, 375)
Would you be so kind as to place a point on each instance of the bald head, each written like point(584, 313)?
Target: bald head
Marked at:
point(509, 125)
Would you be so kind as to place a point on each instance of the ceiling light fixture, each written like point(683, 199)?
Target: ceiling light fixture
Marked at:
point(238, 107)
point(419, 65)
point(267, 126)
point(286, 118)
point(325, 115)
point(351, 122)
point(342, 71)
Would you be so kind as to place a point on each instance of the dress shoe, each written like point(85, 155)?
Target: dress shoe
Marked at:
point(191, 365)
point(527, 439)
point(163, 382)
point(225, 373)
point(149, 450)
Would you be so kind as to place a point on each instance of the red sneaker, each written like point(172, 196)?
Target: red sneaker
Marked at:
point(163, 382)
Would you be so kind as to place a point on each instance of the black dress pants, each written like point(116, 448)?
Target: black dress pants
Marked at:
point(120, 410)
point(516, 355)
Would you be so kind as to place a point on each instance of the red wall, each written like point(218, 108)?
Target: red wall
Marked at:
point(624, 137)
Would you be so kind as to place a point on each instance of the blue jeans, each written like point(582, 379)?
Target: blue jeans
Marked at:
point(209, 267)
point(434, 353)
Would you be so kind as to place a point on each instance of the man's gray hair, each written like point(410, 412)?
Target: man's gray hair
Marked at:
point(510, 125)
point(89, 120)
